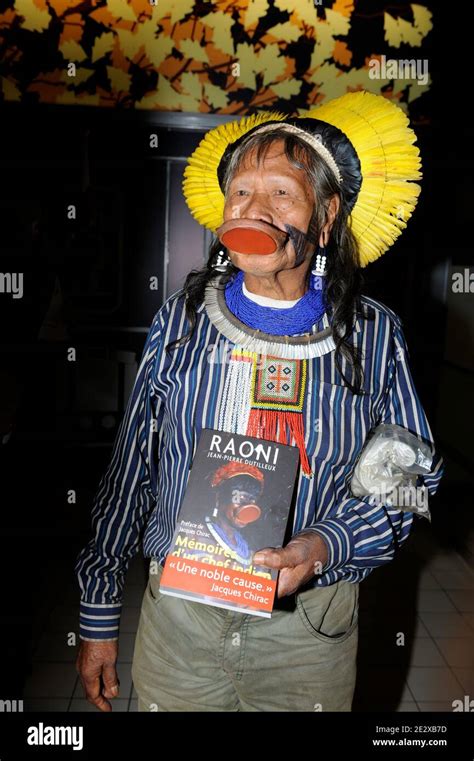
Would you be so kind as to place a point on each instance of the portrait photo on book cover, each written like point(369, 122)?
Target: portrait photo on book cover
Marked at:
point(240, 510)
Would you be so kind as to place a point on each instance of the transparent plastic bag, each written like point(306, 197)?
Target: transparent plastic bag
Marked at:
point(390, 467)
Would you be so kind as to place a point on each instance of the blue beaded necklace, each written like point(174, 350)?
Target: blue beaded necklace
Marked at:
point(239, 547)
point(290, 321)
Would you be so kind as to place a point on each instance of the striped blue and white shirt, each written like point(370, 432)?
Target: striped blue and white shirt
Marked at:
point(176, 394)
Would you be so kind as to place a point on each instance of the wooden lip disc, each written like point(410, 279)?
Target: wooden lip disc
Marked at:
point(248, 236)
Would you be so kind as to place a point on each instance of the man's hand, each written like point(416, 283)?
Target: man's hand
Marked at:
point(95, 662)
point(296, 562)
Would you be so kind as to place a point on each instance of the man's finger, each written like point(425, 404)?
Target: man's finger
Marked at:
point(111, 682)
point(91, 687)
point(289, 581)
point(101, 703)
point(284, 557)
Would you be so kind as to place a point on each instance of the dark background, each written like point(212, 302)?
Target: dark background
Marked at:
point(87, 286)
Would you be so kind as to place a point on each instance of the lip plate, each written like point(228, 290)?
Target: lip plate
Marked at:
point(249, 236)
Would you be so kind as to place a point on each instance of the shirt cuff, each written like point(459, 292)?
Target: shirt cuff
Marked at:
point(99, 622)
point(339, 542)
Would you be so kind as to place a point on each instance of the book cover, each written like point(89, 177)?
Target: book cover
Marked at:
point(237, 501)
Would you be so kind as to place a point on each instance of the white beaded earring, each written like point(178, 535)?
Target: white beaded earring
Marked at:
point(319, 269)
point(320, 265)
point(222, 262)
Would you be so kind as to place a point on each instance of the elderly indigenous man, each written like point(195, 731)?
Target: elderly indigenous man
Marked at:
point(299, 206)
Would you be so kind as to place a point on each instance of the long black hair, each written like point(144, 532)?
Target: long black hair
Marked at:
point(343, 280)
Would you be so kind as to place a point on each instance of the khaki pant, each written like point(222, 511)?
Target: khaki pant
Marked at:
point(194, 657)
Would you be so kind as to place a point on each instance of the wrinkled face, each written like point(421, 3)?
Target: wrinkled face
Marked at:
point(278, 193)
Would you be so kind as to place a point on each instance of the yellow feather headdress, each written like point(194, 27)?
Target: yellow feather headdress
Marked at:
point(380, 135)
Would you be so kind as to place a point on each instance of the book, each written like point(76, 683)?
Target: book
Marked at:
point(237, 501)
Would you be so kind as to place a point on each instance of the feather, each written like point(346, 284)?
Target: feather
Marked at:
point(383, 140)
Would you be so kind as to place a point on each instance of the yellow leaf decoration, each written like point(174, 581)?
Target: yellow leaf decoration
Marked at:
point(216, 96)
point(423, 19)
point(337, 23)
point(34, 19)
point(10, 90)
point(120, 79)
point(121, 9)
point(221, 23)
point(248, 63)
point(157, 49)
point(287, 88)
point(191, 84)
point(72, 51)
point(271, 64)
point(102, 46)
point(130, 42)
point(287, 32)
point(400, 32)
point(268, 63)
point(304, 9)
point(323, 47)
point(167, 97)
point(175, 9)
point(328, 80)
point(82, 75)
point(192, 49)
point(256, 10)
point(224, 56)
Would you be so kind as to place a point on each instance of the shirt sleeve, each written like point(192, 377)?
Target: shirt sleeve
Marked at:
point(122, 504)
point(363, 535)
